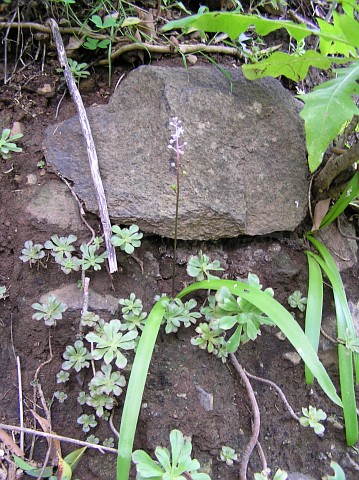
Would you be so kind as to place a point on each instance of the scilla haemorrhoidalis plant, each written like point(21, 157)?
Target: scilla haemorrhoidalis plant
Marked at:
point(244, 306)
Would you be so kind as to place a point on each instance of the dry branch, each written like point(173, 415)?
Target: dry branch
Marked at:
point(90, 145)
point(332, 169)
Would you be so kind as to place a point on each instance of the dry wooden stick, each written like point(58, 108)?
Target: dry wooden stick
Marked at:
point(101, 448)
point(90, 145)
point(256, 418)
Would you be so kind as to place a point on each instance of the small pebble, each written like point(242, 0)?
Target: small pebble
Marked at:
point(31, 179)
point(293, 357)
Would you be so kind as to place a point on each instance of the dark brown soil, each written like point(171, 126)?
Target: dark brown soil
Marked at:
point(171, 398)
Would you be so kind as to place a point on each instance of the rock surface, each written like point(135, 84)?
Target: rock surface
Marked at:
point(245, 158)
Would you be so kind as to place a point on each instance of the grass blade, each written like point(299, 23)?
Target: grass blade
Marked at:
point(313, 316)
point(282, 318)
point(135, 390)
point(351, 192)
point(344, 325)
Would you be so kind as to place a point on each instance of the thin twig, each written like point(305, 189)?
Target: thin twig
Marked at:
point(90, 145)
point(21, 405)
point(256, 419)
point(262, 456)
point(101, 448)
point(112, 426)
point(280, 392)
point(328, 337)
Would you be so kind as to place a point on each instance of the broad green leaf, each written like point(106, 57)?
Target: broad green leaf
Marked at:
point(294, 67)
point(344, 32)
point(148, 468)
point(130, 21)
point(234, 24)
point(64, 471)
point(326, 109)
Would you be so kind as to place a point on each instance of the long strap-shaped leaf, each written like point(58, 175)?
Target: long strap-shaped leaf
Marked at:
point(135, 390)
point(313, 315)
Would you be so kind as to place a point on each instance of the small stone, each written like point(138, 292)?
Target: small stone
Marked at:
point(73, 297)
point(31, 179)
point(16, 128)
point(293, 357)
point(205, 399)
point(280, 335)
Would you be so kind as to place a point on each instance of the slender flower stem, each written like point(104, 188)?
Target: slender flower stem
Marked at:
point(176, 223)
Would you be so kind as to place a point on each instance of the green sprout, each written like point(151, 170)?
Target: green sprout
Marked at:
point(177, 312)
point(169, 465)
point(89, 257)
point(50, 311)
point(228, 455)
point(82, 398)
point(3, 293)
point(89, 319)
point(208, 338)
point(339, 473)
point(134, 321)
point(87, 422)
point(7, 143)
point(126, 238)
point(131, 305)
point(76, 357)
point(99, 401)
point(110, 343)
point(70, 264)
point(265, 475)
point(312, 418)
point(62, 377)
point(109, 442)
point(78, 70)
point(107, 382)
point(92, 439)
point(61, 246)
point(61, 396)
point(32, 253)
point(198, 266)
point(350, 341)
point(296, 300)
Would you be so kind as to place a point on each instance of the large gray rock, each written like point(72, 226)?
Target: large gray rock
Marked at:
point(245, 156)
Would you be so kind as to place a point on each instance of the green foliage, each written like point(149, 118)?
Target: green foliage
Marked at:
point(8, 144)
point(109, 344)
point(32, 253)
point(107, 382)
point(177, 312)
point(60, 396)
point(62, 377)
point(3, 291)
point(296, 300)
point(350, 193)
point(208, 338)
point(169, 465)
point(265, 475)
point(347, 357)
point(312, 418)
point(199, 265)
point(338, 472)
point(87, 422)
point(61, 246)
point(100, 401)
point(78, 70)
point(77, 357)
point(228, 455)
point(50, 311)
point(327, 108)
point(93, 439)
point(131, 305)
point(90, 257)
point(126, 238)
